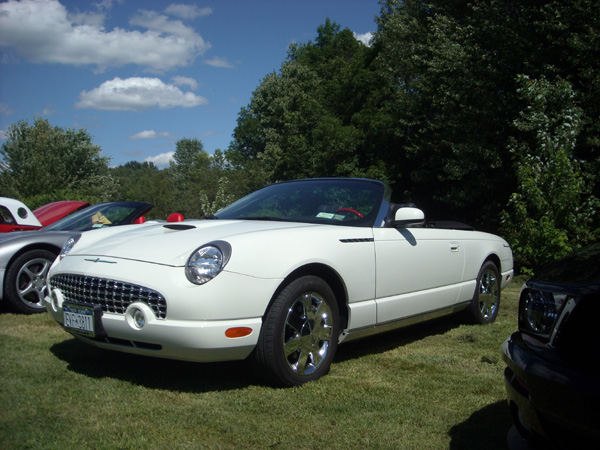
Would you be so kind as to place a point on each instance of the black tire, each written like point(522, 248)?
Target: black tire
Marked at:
point(299, 336)
point(486, 301)
point(25, 283)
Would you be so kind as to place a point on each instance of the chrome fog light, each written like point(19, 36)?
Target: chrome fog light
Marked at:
point(139, 319)
point(139, 316)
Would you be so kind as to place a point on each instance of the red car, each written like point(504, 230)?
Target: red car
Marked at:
point(15, 216)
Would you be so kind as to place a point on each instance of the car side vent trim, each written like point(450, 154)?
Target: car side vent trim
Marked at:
point(356, 240)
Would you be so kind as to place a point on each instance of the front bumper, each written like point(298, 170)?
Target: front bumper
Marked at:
point(188, 340)
point(197, 317)
point(551, 402)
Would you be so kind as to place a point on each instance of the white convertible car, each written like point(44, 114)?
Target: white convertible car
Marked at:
point(280, 277)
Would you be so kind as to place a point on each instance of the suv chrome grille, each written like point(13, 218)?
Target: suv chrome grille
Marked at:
point(113, 296)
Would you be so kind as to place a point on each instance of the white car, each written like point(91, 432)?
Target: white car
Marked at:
point(279, 277)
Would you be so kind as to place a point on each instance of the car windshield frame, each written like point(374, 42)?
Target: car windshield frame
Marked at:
point(84, 219)
point(353, 202)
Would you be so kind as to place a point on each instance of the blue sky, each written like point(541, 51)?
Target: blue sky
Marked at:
point(140, 74)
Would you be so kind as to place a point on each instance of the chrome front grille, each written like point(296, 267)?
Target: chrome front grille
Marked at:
point(112, 296)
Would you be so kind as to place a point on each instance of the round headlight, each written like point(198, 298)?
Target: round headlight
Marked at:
point(539, 312)
point(68, 245)
point(205, 264)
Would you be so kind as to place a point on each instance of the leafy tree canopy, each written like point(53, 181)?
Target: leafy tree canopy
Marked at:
point(42, 163)
point(299, 122)
point(552, 212)
point(143, 181)
point(430, 106)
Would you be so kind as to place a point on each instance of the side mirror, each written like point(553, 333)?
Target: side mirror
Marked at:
point(408, 216)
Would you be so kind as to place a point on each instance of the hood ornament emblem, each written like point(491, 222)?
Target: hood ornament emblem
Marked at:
point(100, 260)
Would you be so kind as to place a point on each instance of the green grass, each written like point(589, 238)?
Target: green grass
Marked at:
point(434, 386)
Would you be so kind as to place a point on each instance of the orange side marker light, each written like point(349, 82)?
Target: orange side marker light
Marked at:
point(238, 332)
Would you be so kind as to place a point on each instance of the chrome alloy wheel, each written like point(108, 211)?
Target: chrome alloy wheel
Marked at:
point(307, 333)
point(489, 293)
point(31, 281)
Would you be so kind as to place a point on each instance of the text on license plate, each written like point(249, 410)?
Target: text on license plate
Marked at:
point(79, 319)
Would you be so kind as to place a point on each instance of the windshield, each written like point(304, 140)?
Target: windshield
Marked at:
point(353, 202)
point(101, 215)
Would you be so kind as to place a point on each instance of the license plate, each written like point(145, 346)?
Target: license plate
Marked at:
point(79, 319)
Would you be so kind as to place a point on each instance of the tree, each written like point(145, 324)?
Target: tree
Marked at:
point(448, 107)
point(430, 105)
point(144, 182)
point(299, 121)
point(197, 178)
point(452, 69)
point(190, 160)
point(552, 211)
point(42, 163)
point(223, 197)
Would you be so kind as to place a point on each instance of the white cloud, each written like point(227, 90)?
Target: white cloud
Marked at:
point(162, 24)
point(219, 62)
point(43, 31)
point(187, 11)
point(5, 110)
point(49, 110)
point(185, 81)
point(364, 38)
point(161, 161)
point(137, 94)
point(106, 4)
point(92, 19)
point(150, 134)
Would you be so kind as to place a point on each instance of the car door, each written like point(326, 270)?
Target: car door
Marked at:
point(418, 270)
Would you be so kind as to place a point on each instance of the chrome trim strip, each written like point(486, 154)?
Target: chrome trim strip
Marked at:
point(360, 333)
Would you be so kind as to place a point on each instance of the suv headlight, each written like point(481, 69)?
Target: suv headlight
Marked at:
point(68, 245)
point(207, 262)
point(539, 312)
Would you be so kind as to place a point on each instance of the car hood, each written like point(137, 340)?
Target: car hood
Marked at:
point(6, 237)
point(172, 244)
point(577, 273)
point(10, 243)
point(33, 235)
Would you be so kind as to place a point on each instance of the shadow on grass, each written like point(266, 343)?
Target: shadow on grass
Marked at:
point(487, 428)
point(182, 376)
point(384, 342)
point(153, 373)
point(158, 373)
